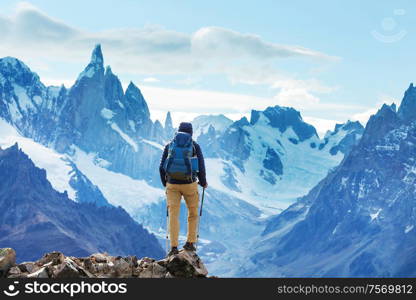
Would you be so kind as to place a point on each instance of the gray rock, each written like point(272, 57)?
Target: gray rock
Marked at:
point(123, 267)
point(68, 269)
point(28, 267)
point(15, 272)
point(186, 264)
point(99, 257)
point(55, 265)
point(7, 260)
point(41, 273)
point(56, 258)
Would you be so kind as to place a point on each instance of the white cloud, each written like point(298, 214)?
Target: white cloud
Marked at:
point(321, 125)
point(217, 41)
point(185, 104)
point(58, 82)
point(30, 33)
point(150, 51)
point(151, 80)
point(202, 101)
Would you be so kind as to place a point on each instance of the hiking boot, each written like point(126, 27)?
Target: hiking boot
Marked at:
point(173, 251)
point(189, 246)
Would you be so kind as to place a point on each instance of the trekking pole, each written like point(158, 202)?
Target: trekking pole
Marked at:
point(199, 218)
point(167, 229)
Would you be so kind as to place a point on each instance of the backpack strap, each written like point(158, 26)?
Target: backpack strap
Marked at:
point(170, 156)
point(187, 164)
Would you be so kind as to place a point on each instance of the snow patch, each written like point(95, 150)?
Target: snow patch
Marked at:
point(58, 170)
point(132, 127)
point(88, 72)
point(125, 137)
point(117, 188)
point(24, 100)
point(107, 113)
point(375, 215)
point(408, 228)
point(154, 144)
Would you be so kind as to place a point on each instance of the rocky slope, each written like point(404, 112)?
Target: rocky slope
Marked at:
point(35, 218)
point(56, 265)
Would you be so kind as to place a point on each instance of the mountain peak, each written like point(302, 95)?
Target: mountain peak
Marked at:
point(95, 66)
point(134, 96)
point(97, 55)
point(108, 70)
point(133, 89)
point(17, 71)
point(381, 123)
point(11, 149)
point(349, 125)
point(407, 109)
point(168, 121)
point(18, 167)
point(282, 117)
point(12, 62)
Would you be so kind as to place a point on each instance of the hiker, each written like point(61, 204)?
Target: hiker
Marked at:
point(177, 176)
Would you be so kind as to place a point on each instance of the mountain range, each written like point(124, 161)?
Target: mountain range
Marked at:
point(359, 220)
point(98, 143)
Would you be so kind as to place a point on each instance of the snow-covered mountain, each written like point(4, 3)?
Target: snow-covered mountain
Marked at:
point(95, 114)
point(61, 172)
point(202, 124)
point(35, 218)
point(105, 147)
point(275, 157)
point(358, 221)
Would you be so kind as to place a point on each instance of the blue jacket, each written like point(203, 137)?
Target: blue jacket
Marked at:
point(201, 164)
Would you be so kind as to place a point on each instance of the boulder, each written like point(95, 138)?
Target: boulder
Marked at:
point(56, 258)
point(28, 267)
point(152, 270)
point(68, 269)
point(123, 267)
point(7, 260)
point(15, 272)
point(100, 257)
point(186, 264)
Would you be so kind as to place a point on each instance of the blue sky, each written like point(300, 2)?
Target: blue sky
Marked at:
point(332, 60)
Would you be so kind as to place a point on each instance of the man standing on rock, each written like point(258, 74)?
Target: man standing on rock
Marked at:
point(181, 165)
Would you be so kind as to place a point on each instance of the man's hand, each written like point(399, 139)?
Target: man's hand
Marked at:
point(205, 186)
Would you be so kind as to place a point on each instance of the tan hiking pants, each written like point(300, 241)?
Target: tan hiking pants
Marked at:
point(174, 193)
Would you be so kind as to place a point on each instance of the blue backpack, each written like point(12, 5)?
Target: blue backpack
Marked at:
point(181, 163)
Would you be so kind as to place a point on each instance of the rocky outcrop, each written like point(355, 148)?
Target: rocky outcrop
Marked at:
point(186, 264)
point(7, 260)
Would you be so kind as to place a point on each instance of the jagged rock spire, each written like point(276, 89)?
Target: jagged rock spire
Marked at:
point(97, 55)
point(168, 121)
point(135, 98)
point(95, 66)
point(407, 109)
